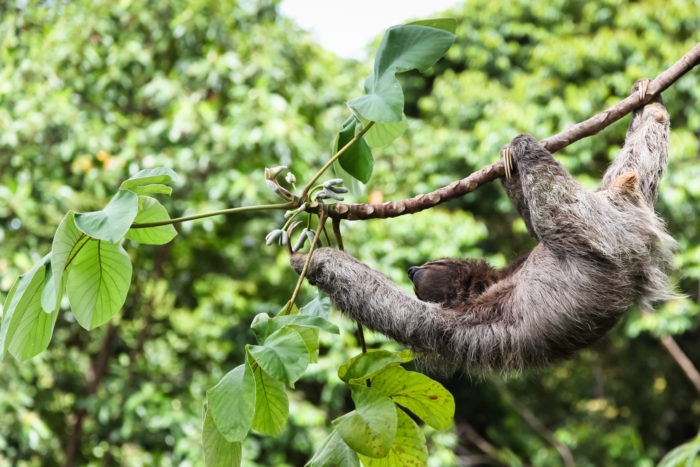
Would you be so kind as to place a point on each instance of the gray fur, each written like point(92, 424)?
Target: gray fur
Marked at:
point(599, 254)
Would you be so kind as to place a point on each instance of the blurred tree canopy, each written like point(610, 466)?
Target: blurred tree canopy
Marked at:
point(93, 91)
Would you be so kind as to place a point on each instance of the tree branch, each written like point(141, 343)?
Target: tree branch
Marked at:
point(493, 171)
point(535, 423)
point(76, 420)
point(682, 360)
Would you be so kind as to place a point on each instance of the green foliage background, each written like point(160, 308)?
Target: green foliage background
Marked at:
point(93, 91)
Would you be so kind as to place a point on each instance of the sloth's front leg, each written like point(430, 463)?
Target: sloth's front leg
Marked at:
point(555, 201)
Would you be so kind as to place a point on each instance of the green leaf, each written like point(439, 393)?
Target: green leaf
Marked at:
point(310, 336)
point(263, 326)
point(155, 189)
point(357, 159)
point(111, 223)
point(409, 448)
point(150, 210)
point(49, 298)
point(366, 365)
point(383, 134)
point(139, 182)
point(403, 48)
point(97, 283)
point(284, 355)
point(425, 397)
point(447, 24)
point(65, 243)
point(307, 326)
point(334, 451)
point(411, 46)
point(316, 322)
point(271, 404)
point(231, 403)
point(218, 452)
point(26, 329)
point(686, 455)
point(370, 428)
point(306, 321)
point(383, 102)
point(319, 306)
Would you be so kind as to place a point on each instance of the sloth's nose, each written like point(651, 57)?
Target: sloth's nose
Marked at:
point(412, 271)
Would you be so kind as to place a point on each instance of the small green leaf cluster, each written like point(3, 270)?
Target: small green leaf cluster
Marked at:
point(88, 263)
point(413, 46)
point(387, 397)
point(381, 430)
point(252, 396)
point(376, 119)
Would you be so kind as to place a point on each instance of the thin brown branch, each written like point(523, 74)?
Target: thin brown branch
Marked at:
point(99, 371)
point(467, 431)
point(491, 172)
point(682, 360)
point(535, 423)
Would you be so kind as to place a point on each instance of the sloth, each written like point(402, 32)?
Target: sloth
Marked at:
point(599, 254)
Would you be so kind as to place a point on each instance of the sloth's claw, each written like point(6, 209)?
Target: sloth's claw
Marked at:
point(507, 156)
point(642, 85)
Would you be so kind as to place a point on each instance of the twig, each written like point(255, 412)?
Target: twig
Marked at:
point(177, 220)
point(682, 360)
point(469, 432)
point(491, 172)
point(535, 423)
point(99, 371)
point(321, 223)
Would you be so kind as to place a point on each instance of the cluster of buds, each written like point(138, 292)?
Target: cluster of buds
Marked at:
point(271, 175)
point(332, 189)
point(280, 235)
point(306, 234)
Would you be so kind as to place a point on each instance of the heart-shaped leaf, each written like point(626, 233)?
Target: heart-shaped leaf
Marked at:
point(405, 47)
point(283, 356)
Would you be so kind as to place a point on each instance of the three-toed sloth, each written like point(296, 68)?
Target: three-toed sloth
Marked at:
point(599, 253)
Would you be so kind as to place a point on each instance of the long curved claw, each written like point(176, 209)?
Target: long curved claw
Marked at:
point(642, 85)
point(507, 156)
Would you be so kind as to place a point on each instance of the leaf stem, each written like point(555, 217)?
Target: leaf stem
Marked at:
point(321, 221)
point(337, 155)
point(177, 220)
